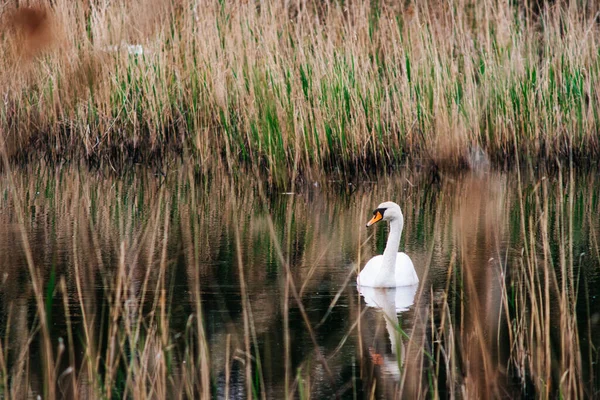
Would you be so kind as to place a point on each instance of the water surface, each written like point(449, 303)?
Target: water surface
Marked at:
point(188, 285)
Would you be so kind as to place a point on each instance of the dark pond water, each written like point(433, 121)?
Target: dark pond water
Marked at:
point(188, 286)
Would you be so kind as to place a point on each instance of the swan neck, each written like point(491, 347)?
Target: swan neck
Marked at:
point(391, 248)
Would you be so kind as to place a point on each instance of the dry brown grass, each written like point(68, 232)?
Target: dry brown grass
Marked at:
point(300, 87)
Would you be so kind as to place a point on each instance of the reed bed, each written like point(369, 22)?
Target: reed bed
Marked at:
point(300, 88)
point(195, 287)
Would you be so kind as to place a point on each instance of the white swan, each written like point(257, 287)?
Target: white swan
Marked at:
point(392, 269)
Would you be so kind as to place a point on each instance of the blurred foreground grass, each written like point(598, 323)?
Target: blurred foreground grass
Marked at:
point(191, 287)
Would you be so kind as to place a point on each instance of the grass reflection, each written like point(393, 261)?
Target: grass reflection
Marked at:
point(189, 286)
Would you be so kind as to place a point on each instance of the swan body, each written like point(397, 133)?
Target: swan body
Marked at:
point(403, 275)
point(392, 269)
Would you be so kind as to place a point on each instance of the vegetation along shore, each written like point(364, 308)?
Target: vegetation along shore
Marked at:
point(300, 87)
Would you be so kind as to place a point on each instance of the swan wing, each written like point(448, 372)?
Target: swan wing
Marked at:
point(405, 271)
point(369, 276)
point(405, 274)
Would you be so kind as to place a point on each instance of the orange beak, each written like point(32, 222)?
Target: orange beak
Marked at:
point(376, 217)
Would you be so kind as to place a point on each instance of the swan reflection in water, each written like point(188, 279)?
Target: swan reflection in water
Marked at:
point(391, 301)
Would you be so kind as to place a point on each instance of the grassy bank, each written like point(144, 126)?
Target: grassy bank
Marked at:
point(308, 87)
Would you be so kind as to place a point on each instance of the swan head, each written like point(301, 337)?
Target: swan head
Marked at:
point(387, 211)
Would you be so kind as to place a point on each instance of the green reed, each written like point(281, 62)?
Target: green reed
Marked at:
point(324, 87)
